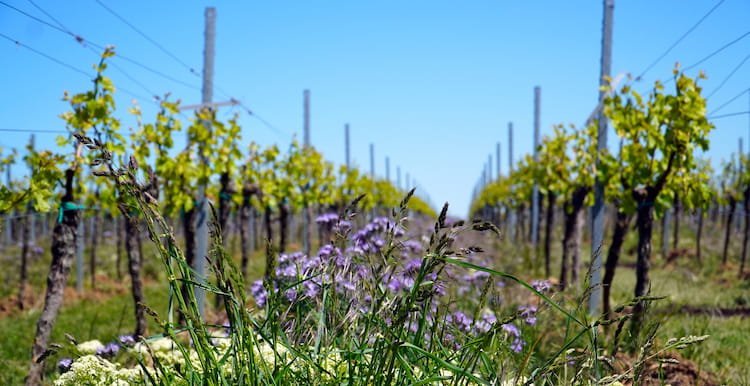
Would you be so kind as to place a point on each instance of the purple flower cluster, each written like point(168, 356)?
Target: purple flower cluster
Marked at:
point(332, 221)
point(126, 340)
point(349, 270)
point(541, 285)
point(370, 238)
point(528, 313)
point(327, 219)
point(259, 293)
point(515, 333)
point(109, 350)
point(63, 365)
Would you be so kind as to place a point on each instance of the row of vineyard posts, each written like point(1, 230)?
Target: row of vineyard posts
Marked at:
point(252, 187)
point(654, 175)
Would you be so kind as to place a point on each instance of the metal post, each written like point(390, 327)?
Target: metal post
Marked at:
point(597, 211)
point(489, 168)
point(201, 249)
point(306, 94)
point(372, 161)
point(497, 160)
point(535, 189)
point(346, 146)
point(307, 214)
point(511, 211)
point(387, 169)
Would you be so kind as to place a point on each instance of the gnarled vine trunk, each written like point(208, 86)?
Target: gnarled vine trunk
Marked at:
point(24, 275)
point(188, 230)
point(244, 231)
point(572, 237)
point(225, 202)
point(730, 218)
point(548, 233)
point(307, 229)
point(746, 234)
point(246, 212)
point(63, 250)
point(699, 235)
point(270, 257)
point(645, 225)
point(283, 226)
point(676, 230)
point(94, 242)
point(133, 248)
point(613, 256)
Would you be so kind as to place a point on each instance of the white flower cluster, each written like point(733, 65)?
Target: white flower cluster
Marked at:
point(89, 347)
point(167, 353)
point(93, 370)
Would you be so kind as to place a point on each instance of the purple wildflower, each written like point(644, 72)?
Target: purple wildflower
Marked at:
point(63, 365)
point(109, 350)
point(528, 313)
point(461, 321)
point(291, 294)
point(511, 329)
point(342, 226)
point(541, 285)
point(311, 289)
point(127, 340)
point(327, 218)
point(517, 345)
point(259, 293)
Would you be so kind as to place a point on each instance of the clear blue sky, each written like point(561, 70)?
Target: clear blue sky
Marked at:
point(432, 83)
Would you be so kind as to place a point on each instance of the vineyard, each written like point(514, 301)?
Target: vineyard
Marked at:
point(132, 259)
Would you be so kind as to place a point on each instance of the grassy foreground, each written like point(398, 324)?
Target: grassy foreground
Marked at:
point(706, 288)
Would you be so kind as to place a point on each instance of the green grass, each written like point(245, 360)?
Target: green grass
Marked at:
point(684, 282)
point(103, 316)
point(84, 319)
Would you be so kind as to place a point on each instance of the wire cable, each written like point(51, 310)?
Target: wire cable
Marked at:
point(680, 39)
point(84, 41)
point(48, 15)
point(40, 53)
point(263, 121)
point(728, 115)
point(734, 98)
point(726, 79)
point(722, 48)
point(60, 27)
point(66, 65)
point(145, 36)
point(92, 49)
point(33, 131)
point(63, 28)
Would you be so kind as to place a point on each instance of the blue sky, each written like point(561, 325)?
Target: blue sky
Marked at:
point(433, 84)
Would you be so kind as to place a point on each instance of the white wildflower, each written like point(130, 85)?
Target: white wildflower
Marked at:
point(90, 347)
